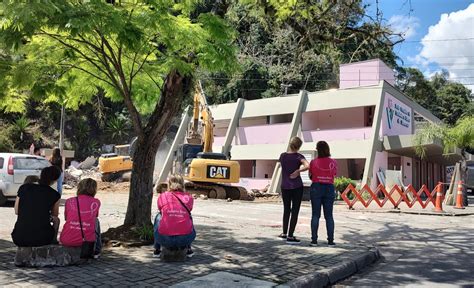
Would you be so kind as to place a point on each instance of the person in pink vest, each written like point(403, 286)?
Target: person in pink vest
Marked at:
point(173, 226)
point(88, 205)
point(322, 171)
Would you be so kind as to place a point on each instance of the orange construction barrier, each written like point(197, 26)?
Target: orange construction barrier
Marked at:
point(459, 198)
point(439, 198)
point(382, 196)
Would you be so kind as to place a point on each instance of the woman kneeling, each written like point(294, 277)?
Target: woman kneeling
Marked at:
point(81, 214)
point(173, 226)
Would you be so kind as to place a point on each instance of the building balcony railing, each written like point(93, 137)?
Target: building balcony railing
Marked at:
point(263, 134)
point(361, 133)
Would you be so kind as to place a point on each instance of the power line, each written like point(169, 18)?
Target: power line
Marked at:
point(438, 40)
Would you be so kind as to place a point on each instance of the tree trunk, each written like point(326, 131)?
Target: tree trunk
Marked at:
point(140, 198)
point(141, 183)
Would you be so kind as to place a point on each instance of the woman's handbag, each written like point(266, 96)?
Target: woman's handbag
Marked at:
point(87, 247)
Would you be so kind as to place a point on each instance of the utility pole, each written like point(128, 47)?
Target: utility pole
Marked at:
point(286, 86)
point(61, 132)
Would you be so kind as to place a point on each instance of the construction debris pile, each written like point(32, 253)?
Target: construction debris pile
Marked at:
point(78, 171)
point(256, 193)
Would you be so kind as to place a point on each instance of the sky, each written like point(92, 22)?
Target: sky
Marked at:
point(439, 35)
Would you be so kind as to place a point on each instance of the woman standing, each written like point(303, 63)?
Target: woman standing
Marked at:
point(292, 163)
point(57, 160)
point(323, 169)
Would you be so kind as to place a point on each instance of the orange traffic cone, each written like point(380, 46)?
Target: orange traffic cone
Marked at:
point(459, 197)
point(439, 198)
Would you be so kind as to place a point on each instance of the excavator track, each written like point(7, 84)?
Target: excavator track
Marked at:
point(213, 191)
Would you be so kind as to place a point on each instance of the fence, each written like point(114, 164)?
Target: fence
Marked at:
point(410, 196)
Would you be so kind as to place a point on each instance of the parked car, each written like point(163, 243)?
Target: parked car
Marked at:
point(470, 179)
point(14, 168)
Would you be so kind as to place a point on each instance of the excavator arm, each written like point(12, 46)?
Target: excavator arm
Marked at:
point(201, 112)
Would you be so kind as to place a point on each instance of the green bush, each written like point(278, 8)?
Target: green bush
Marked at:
point(6, 142)
point(341, 183)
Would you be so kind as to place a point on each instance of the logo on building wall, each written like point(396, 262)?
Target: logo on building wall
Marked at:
point(389, 110)
point(398, 114)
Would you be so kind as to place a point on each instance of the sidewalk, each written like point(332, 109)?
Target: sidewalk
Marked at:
point(217, 249)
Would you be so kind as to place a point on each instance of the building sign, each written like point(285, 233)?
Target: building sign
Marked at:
point(396, 117)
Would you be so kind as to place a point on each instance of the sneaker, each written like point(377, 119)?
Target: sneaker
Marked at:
point(292, 240)
point(331, 243)
point(190, 253)
point(97, 256)
point(282, 236)
point(157, 253)
point(313, 243)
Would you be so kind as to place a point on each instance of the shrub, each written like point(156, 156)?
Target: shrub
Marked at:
point(341, 183)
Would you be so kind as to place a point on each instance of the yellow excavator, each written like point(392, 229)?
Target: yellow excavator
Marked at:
point(206, 172)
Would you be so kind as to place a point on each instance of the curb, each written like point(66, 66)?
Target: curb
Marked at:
point(337, 273)
point(427, 213)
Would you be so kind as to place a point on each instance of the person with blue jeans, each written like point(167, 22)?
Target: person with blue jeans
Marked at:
point(173, 227)
point(322, 170)
point(179, 241)
point(57, 160)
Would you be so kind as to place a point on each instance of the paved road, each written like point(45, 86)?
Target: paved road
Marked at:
point(419, 250)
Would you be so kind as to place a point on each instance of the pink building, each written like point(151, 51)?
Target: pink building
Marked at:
point(368, 123)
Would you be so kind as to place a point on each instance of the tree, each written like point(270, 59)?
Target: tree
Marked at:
point(413, 83)
point(454, 102)
point(298, 43)
point(142, 52)
point(459, 136)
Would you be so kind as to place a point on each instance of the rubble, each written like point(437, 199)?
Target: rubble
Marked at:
point(255, 193)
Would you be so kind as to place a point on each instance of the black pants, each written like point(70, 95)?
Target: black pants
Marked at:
point(291, 206)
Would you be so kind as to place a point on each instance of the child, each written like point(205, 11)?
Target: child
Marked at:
point(31, 179)
point(173, 226)
point(89, 209)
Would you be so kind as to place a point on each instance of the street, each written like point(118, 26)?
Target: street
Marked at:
point(417, 250)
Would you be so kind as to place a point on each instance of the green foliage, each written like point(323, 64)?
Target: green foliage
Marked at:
point(123, 49)
point(460, 136)
point(447, 100)
point(341, 183)
point(297, 43)
point(145, 232)
point(6, 142)
point(118, 128)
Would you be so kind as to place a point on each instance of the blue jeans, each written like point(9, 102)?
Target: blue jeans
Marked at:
point(322, 195)
point(98, 237)
point(60, 184)
point(179, 241)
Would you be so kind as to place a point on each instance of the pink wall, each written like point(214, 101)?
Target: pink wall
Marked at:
point(365, 73)
point(253, 183)
point(265, 167)
point(219, 140)
point(263, 134)
point(333, 119)
point(380, 162)
point(396, 117)
point(337, 134)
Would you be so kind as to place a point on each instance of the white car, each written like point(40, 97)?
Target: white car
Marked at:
point(14, 168)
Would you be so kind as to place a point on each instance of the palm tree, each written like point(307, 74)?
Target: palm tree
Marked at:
point(459, 136)
point(21, 126)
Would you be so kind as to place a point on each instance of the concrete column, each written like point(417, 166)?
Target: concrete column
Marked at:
point(178, 140)
point(294, 128)
point(234, 123)
point(376, 143)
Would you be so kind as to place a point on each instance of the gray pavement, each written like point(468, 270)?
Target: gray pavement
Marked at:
point(240, 238)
